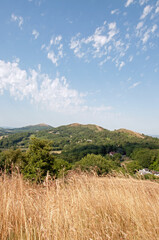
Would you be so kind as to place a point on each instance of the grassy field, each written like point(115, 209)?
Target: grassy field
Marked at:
point(78, 208)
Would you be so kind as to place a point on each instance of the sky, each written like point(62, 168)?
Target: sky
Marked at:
point(91, 61)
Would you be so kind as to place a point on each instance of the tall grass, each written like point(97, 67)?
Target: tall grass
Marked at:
point(79, 208)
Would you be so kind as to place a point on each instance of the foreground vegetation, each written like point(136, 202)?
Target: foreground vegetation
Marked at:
point(79, 207)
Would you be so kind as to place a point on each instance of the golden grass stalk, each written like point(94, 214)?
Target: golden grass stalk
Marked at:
point(82, 207)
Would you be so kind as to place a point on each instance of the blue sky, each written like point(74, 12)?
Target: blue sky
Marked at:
point(80, 61)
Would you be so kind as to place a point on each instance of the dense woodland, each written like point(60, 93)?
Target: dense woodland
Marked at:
point(41, 149)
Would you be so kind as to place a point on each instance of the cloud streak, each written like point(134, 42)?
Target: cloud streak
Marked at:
point(35, 33)
point(54, 50)
point(142, 2)
point(135, 84)
point(127, 4)
point(146, 11)
point(17, 19)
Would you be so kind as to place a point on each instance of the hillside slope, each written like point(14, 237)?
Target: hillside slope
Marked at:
point(132, 133)
point(75, 139)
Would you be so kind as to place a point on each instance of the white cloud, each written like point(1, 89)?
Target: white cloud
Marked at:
point(54, 49)
point(115, 11)
point(135, 85)
point(119, 64)
point(108, 43)
point(97, 41)
point(131, 58)
point(55, 40)
point(157, 10)
point(142, 2)
point(154, 28)
point(122, 64)
point(112, 25)
point(17, 19)
point(52, 57)
point(139, 25)
point(53, 94)
point(146, 11)
point(75, 44)
point(145, 33)
point(146, 36)
point(104, 44)
point(39, 88)
point(35, 33)
point(128, 3)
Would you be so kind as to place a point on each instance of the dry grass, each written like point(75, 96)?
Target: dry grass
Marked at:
point(83, 207)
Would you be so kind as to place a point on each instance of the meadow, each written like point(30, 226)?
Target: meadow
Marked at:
point(79, 207)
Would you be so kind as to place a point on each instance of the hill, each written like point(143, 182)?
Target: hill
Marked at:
point(90, 126)
point(75, 140)
point(30, 128)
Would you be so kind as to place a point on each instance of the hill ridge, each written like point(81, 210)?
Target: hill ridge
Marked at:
point(99, 128)
point(139, 135)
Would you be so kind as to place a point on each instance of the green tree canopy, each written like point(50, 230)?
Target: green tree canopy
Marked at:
point(11, 159)
point(145, 157)
point(39, 160)
point(96, 162)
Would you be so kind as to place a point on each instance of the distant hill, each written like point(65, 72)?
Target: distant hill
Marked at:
point(4, 131)
point(30, 128)
point(38, 127)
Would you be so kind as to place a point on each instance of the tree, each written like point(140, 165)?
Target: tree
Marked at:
point(39, 160)
point(96, 162)
point(11, 159)
point(145, 157)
